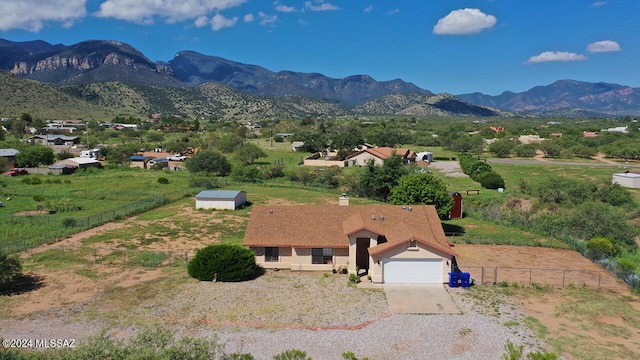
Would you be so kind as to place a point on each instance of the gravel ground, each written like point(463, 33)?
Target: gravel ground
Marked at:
point(313, 312)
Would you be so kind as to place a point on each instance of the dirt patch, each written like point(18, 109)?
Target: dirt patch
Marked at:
point(538, 265)
point(448, 168)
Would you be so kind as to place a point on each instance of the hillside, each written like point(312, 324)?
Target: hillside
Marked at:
point(424, 105)
point(566, 98)
point(44, 101)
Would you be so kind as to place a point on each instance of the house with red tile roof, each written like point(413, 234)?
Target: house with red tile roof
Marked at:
point(378, 155)
point(392, 243)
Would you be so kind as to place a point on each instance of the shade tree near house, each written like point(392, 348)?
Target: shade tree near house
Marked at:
point(223, 262)
point(33, 156)
point(210, 162)
point(423, 189)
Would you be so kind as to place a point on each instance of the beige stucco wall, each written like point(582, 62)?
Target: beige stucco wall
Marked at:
point(300, 259)
point(373, 241)
point(338, 163)
point(362, 159)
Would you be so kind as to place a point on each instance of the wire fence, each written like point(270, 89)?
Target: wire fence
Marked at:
point(598, 279)
point(28, 231)
point(88, 255)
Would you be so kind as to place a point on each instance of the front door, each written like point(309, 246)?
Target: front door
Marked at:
point(362, 253)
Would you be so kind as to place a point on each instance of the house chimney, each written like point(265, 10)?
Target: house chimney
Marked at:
point(344, 200)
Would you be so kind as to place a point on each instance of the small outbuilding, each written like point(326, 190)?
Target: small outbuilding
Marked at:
point(628, 179)
point(221, 199)
point(456, 211)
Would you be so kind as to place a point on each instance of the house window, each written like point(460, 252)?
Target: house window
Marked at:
point(321, 256)
point(271, 254)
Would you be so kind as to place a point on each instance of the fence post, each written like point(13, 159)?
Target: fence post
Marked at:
point(495, 275)
point(599, 276)
point(153, 258)
point(95, 255)
point(482, 276)
point(563, 276)
point(530, 276)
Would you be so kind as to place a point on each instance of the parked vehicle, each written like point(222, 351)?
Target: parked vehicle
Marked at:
point(176, 157)
point(15, 172)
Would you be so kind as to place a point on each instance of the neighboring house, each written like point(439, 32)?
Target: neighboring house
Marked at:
point(9, 154)
point(68, 166)
point(618, 129)
point(589, 134)
point(392, 243)
point(50, 140)
point(324, 159)
point(297, 145)
point(426, 156)
point(378, 155)
point(221, 199)
point(530, 139)
point(456, 211)
point(627, 179)
point(139, 161)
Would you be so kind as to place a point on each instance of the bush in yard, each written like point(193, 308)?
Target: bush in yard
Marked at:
point(163, 180)
point(490, 180)
point(10, 268)
point(223, 262)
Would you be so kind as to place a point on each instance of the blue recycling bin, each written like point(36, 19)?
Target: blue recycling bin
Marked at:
point(465, 279)
point(454, 278)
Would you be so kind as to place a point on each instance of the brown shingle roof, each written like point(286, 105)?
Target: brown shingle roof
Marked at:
point(331, 225)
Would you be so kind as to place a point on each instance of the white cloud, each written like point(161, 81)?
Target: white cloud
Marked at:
point(464, 21)
point(286, 9)
point(598, 3)
point(218, 22)
point(144, 11)
point(368, 8)
point(548, 56)
point(393, 12)
point(266, 19)
point(201, 21)
point(249, 18)
point(603, 46)
point(320, 7)
point(31, 15)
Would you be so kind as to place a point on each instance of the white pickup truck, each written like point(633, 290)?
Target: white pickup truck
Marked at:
point(176, 157)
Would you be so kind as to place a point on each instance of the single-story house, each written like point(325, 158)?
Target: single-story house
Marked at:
point(589, 134)
point(9, 154)
point(221, 199)
point(54, 140)
point(378, 155)
point(139, 161)
point(627, 179)
point(68, 166)
point(392, 243)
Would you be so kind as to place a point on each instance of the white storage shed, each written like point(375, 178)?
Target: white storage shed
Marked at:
point(221, 199)
point(630, 180)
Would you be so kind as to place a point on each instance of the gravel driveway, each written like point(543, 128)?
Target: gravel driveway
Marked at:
point(315, 312)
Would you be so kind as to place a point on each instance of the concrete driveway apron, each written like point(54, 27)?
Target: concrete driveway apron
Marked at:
point(419, 299)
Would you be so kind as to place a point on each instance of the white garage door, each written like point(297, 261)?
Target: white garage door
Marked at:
point(412, 271)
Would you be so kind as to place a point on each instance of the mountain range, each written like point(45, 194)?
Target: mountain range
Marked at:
point(117, 78)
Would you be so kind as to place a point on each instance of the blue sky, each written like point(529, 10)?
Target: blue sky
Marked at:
point(441, 45)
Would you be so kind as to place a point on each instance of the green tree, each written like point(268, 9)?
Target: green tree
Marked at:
point(525, 150)
point(550, 149)
point(502, 148)
point(596, 219)
point(248, 153)
point(422, 189)
point(314, 140)
point(35, 155)
point(223, 262)
point(10, 269)
point(377, 181)
point(210, 162)
point(155, 137)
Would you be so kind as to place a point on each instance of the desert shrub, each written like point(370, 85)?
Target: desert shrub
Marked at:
point(293, 354)
point(478, 168)
point(10, 268)
point(627, 264)
point(275, 171)
point(69, 222)
point(204, 180)
point(490, 180)
point(223, 262)
point(603, 245)
point(163, 180)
